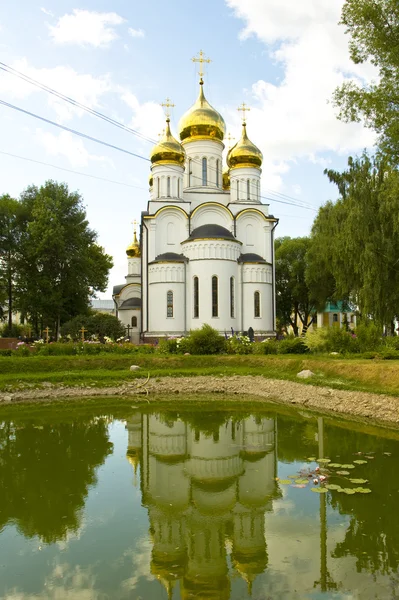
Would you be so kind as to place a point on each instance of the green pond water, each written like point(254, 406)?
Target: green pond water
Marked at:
point(196, 504)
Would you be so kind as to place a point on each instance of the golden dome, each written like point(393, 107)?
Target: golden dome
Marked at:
point(168, 150)
point(226, 180)
point(134, 250)
point(202, 121)
point(244, 153)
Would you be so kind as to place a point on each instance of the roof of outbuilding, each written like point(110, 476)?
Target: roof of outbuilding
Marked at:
point(251, 257)
point(118, 288)
point(211, 231)
point(130, 303)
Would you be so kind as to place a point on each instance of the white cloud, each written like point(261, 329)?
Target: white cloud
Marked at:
point(81, 87)
point(84, 27)
point(136, 32)
point(47, 12)
point(294, 118)
point(148, 118)
point(67, 145)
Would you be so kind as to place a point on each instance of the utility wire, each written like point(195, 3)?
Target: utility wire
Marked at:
point(26, 78)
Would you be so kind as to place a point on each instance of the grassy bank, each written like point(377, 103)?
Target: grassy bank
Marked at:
point(110, 370)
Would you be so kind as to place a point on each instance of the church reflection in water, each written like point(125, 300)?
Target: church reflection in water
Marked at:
point(206, 491)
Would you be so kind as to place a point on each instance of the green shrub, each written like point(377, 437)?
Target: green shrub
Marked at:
point(331, 339)
point(100, 325)
point(392, 342)
point(315, 339)
point(292, 345)
point(14, 331)
point(204, 341)
point(368, 336)
point(239, 345)
point(5, 352)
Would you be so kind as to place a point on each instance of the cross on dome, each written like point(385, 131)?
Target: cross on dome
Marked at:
point(243, 108)
point(167, 105)
point(230, 139)
point(201, 60)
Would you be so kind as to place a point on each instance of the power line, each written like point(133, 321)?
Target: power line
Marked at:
point(39, 162)
point(26, 78)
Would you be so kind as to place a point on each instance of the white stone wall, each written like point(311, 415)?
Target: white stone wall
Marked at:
point(159, 322)
point(240, 190)
point(196, 150)
point(161, 188)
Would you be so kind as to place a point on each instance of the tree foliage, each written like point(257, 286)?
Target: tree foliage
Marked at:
point(355, 242)
point(97, 324)
point(373, 26)
point(294, 300)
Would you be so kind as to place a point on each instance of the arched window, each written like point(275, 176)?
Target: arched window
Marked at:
point(170, 234)
point(178, 188)
point(168, 187)
point(169, 304)
point(232, 299)
point(217, 173)
point(190, 164)
point(134, 321)
point(238, 189)
point(215, 299)
point(248, 189)
point(257, 304)
point(204, 171)
point(258, 189)
point(250, 236)
point(196, 298)
point(158, 188)
point(335, 318)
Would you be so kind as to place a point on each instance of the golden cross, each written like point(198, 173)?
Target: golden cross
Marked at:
point(161, 133)
point(83, 331)
point(243, 108)
point(201, 60)
point(167, 105)
point(230, 138)
point(47, 331)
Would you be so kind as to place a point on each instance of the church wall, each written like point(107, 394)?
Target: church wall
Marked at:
point(265, 321)
point(196, 198)
point(196, 150)
point(159, 322)
point(171, 227)
point(253, 233)
point(212, 213)
point(241, 192)
point(168, 181)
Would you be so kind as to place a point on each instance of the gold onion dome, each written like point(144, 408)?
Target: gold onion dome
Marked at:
point(133, 251)
point(244, 153)
point(226, 179)
point(202, 120)
point(168, 150)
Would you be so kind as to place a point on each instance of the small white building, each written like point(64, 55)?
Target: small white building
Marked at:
point(206, 251)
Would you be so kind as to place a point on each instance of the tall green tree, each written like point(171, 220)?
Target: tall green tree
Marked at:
point(61, 265)
point(11, 225)
point(373, 27)
point(294, 301)
point(355, 242)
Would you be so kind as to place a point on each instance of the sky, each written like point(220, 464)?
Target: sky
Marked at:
point(283, 58)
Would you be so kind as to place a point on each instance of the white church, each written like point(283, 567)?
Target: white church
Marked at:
point(206, 249)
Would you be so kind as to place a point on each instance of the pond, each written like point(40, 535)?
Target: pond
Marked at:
point(209, 503)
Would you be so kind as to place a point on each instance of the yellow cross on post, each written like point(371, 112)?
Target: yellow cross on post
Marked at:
point(83, 331)
point(230, 139)
point(47, 331)
point(167, 105)
point(243, 108)
point(201, 60)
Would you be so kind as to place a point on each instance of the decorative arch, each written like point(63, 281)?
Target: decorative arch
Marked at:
point(211, 212)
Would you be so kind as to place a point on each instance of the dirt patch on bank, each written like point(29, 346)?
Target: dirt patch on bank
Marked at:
point(376, 407)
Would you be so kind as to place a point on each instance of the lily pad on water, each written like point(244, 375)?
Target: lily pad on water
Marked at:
point(348, 466)
point(319, 490)
point(292, 476)
point(311, 459)
point(360, 462)
point(333, 486)
point(349, 491)
point(324, 460)
point(301, 481)
point(343, 473)
point(285, 481)
point(358, 480)
point(364, 490)
point(335, 465)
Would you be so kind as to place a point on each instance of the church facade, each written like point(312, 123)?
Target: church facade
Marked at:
point(206, 249)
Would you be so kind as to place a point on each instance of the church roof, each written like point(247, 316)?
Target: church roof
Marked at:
point(130, 303)
point(118, 288)
point(169, 257)
point(211, 231)
point(251, 257)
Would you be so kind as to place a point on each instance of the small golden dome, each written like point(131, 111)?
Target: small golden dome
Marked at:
point(134, 250)
point(202, 121)
point(244, 153)
point(226, 179)
point(168, 150)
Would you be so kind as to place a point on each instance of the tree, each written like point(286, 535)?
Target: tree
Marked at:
point(295, 303)
point(61, 265)
point(355, 242)
point(374, 29)
point(98, 324)
point(11, 223)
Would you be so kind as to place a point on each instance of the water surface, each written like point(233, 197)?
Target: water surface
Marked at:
point(196, 504)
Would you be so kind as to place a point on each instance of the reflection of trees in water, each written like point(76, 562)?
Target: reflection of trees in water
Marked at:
point(45, 473)
point(373, 533)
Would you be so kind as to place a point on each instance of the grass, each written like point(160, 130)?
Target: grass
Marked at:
point(109, 370)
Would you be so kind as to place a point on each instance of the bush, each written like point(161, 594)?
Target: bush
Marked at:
point(292, 345)
point(14, 331)
point(267, 347)
point(368, 336)
point(239, 345)
point(331, 339)
point(99, 325)
point(5, 352)
point(204, 341)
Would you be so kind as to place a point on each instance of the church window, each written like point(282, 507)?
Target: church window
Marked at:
point(335, 318)
point(169, 304)
point(178, 188)
point(170, 231)
point(232, 307)
point(215, 299)
point(158, 190)
point(204, 171)
point(168, 187)
point(217, 173)
point(134, 321)
point(248, 189)
point(238, 189)
point(196, 297)
point(258, 189)
point(257, 304)
point(249, 235)
point(190, 164)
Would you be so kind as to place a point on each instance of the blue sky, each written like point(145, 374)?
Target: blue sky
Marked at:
point(282, 57)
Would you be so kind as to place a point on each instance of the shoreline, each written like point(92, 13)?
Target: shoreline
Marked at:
point(378, 408)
